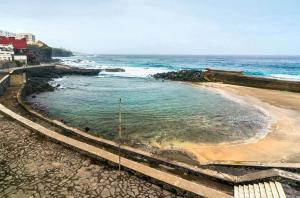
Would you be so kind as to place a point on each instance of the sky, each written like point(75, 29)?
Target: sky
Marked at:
point(248, 27)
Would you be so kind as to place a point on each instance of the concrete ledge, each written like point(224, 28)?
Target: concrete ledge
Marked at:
point(164, 177)
point(238, 78)
point(256, 164)
point(266, 174)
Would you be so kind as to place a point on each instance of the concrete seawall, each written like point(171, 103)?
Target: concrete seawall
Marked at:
point(238, 78)
point(230, 77)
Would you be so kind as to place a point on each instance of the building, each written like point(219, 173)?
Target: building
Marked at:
point(7, 34)
point(19, 48)
point(30, 38)
point(6, 52)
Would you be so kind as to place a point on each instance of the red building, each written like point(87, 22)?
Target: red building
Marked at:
point(19, 47)
point(18, 44)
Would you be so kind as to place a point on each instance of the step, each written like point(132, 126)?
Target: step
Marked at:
point(260, 190)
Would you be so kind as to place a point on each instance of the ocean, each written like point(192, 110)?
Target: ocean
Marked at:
point(156, 112)
point(280, 67)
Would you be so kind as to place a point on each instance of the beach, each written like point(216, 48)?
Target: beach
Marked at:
point(281, 143)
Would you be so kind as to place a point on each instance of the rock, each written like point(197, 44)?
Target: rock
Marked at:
point(114, 70)
point(105, 193)
point(183, 75)
point(135, 191)
point(112, 191)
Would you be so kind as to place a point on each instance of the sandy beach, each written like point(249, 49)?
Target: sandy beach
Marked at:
point(281, 143)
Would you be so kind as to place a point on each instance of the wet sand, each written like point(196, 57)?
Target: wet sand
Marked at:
point(282, 140)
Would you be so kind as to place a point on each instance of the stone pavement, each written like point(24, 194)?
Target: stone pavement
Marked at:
point(31, 166)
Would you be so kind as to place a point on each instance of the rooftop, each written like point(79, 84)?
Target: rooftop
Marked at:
point(17, 43)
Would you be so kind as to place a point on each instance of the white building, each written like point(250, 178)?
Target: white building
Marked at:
point(6, 52)
point(7, 34)
point(21, 58)
point(30, 38)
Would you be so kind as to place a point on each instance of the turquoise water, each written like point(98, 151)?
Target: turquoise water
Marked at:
point(152, 110)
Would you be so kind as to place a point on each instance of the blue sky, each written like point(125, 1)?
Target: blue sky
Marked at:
point(160, 26)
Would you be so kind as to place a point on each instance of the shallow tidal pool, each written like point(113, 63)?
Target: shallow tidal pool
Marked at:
point(152, 111)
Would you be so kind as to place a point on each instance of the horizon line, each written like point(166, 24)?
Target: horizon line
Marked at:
point(133, 54)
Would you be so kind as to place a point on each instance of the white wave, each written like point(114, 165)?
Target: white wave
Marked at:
point(77, 61)
point(137, 72)
point(134, 72)
point(58, 79)
point(286, 77)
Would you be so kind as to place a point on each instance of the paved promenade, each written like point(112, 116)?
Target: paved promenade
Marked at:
point(31, 166)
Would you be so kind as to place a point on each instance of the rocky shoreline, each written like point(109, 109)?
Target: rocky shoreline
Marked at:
point(39, 78)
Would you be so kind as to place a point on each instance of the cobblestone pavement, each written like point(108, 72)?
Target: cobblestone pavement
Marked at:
point(31, 166)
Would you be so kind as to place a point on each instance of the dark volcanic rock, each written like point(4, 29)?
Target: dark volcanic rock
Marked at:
point(38, 78)
point(183, 75)
point(38, 84)
point(114, 70)
point(76, 71)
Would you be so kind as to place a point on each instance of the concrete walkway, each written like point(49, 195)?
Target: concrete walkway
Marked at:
point(166, 178)
point(31, 166)
point(29, 66)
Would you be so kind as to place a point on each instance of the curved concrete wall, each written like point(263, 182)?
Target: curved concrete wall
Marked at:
point(144, 170)
point(132, 153)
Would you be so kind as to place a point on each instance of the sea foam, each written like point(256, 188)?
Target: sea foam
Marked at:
point(286, 77)
point(135, 72)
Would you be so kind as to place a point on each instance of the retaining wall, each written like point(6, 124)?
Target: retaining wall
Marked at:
point(143, 156)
